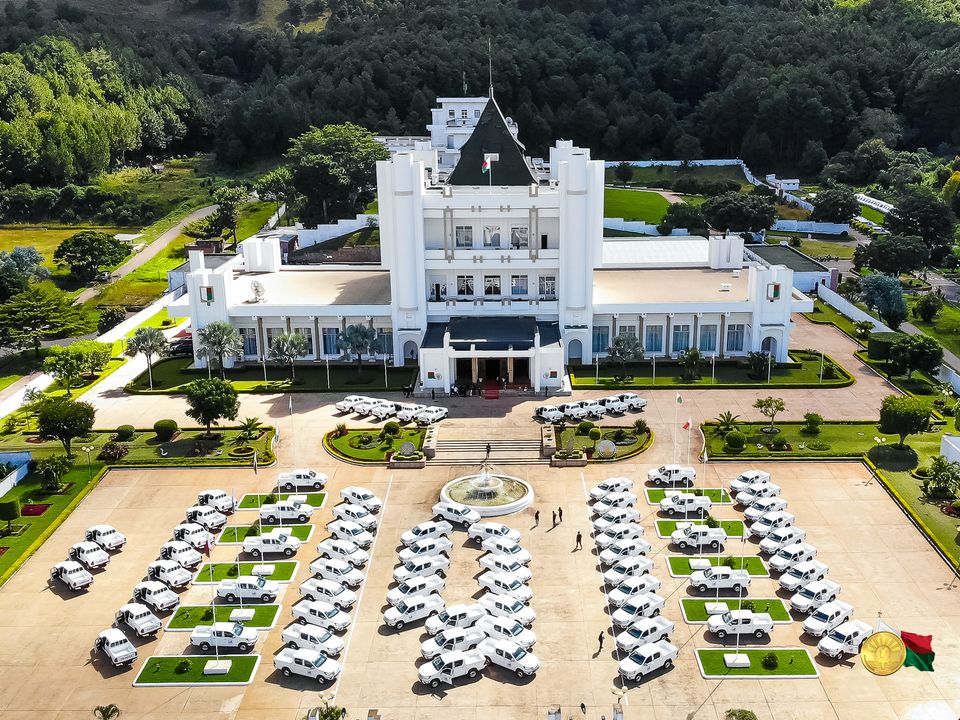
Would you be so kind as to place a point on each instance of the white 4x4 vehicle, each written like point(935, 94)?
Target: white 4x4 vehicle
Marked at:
point(138, 618)
point(345, 550)
point(193, 535)
point(672, 475)
point(425, 585)
point(329, 591)
point(422, 565)
point(455, 616)
point(452, 639)
point(311, 637)
point(826, 617)
point(218, 500)
point(321, 613)
point(782, 537)
point(508, 654)
point(384, 409)
point(740, 622)
point(747, 479)
point(627, 567)
point(409, 412)
point(116, 648)
point(506, 628)
point(643, 631)
point(616, 516)
point(337, 570)
point(573, 411)
point(845, 639)
point(456, 514)
point(248, 587)
point(424, 530)
point(307, 663)
point(631, 587)
point(624, 549)
point(169, 572)
point(480, 531)
point(646, 605)
point(614, 404)
point(206, 516)
point(633, 401)
point(275, 542)
point(106, 536)
point(678, 503)
point(803, 573)
point(412, 609)
point(223, 635)
point(301, 479)
point(620, 531)
point(761, 506)
point(508, 607)
point(362, 497)
point(451, 665)
point(699, 536)
point(349, 512)
point(350, 401)
point(180, 551)
point(89, 554)
point(349, 530)
point(505, 584)
point(647, 658)
point(721, 577)
point(499, 546)
point(548, 413)
point(285, 511)
point(364, 407)
point(789, 556)
point(756, 491)
point(430, 546)
point(814, 594)
point(614, 500)
point(771, 521)
point(156, 595)
point(431, 415)
point(614, 484)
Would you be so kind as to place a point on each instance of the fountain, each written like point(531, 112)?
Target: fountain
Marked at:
point(489, 492)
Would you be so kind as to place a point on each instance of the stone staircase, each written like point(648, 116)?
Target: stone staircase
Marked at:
point(502, 452)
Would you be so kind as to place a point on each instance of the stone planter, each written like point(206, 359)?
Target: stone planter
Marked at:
point(407, 464)
point(572, 462)
point(548, 440)
point(430, 442)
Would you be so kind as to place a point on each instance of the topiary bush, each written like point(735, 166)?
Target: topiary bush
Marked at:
point(811, 423)
point(392, 428)
point(125, 432)
point(165, 430)
point(113, 451)
point(735, 440)
point(770, 661)
point(584, 427)
point(879, 344)
point(778, 443)
point(595, 434)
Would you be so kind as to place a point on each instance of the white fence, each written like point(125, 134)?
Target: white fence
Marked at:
point(21, 463)
point(311, 236)
point(847, 308)
point(949, 375)
point(872, 202)
point(637, 226)
point(809, 226)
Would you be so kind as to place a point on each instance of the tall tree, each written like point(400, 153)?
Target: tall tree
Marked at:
point(916, 352)
point(218, 341)
point(683, 215)
point(770, 407)
point(903, 416)
point(286, 348)
point(334, 170)
point(623, 172)
point(230, 201)
point(356, 340)
point(18, 268)
point(892, 254)
point(276, 186)
point(921, 213)
point(38, 314)
point(152, 343)
point(884, 293)
point(835, 204)
point(624, 349)
point(87, 252)
point(736, 211)
point(210, 400)
point(65, 419)
point(65, 365)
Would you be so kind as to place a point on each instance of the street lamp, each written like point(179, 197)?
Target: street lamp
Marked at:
point(88, 449)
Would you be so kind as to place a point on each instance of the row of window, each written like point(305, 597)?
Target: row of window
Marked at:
point(383, 345)
point(681, 337)
point(464, 114)
point(492, 234)
point(493, 286)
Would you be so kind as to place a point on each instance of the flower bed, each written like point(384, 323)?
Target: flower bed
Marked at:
point(835, 439)
point(366, 446)
point(617, 435)
point(34, 509)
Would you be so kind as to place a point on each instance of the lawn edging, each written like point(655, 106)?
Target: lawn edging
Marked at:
point(264, 529)
point(732, 604)
point(252, 671)
point(733, 675)
point(335, 452)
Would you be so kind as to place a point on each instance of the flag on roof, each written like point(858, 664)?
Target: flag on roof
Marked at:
point(488, 158)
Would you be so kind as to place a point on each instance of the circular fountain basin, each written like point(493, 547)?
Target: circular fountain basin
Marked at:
point(488, 492)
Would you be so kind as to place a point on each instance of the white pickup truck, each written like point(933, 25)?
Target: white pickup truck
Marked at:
point(633, 401)
point(549, 413)
point(308, 663)
point(138, 618)
point(156, 595)
point(106, 536)
point(814, 594)
point(647, 658)
point(89, 554)
point(194, 534)
point(803, 573)
point(409, 412)
point(248, 588)
point(480, 531)
point(845, 639)
point(756, 491)
point(678, 503)
point(826, 617)
point(169, 572)
point(351, 401)
point(672, 475)
point(116, 648)
point(747, 479)
point(449, 666)
point(761, 506)
point(453, 639)
point(275, 542)
point(72, 574)
point(771, 521)
point(223, 635)
point(721, 577)
point(699, 536)
point(740, 622)
point(180, 552)
point(789, 556)
point(644, 631)
point(219, 500)
point(301, 479)
point(509, 655)
point(412, 609)
point(614, 404)
point(612, 484)
point(620, 531)
point(285, 511)
point(206, 516)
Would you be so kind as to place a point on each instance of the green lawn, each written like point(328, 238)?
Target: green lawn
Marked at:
point(727, 374)
point(872, 215)
point(734, 528)
point(792, 662)
point(835, 439)
point(215, 572)
point(945, 327)
point(188, 617)
point(163, 669)
point(824, 314)
point(15, 365)
point(919, 384)
point(695, 609)
point(680, 564)
point(233, 534)
point(663, 176)
point(718, 496)
point(252, 501)
point(353, 446)
point(171, 374)
point(841, 247)
point(634, 205)
point(637, 445)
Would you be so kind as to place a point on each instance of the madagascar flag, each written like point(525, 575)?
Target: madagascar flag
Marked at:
point(919, 651)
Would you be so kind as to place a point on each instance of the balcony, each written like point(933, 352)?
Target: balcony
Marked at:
point(491, 255)
point(494, 305)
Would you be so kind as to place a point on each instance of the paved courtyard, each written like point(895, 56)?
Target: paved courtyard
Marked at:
point(881, 561)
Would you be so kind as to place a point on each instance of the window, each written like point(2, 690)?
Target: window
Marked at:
point(464, 284)
point(463, 114)
point(491, 284)
point(708, 338)
point(601, 338)
point(518, 284)
point(329, 340)
point(491, 236)
point(519, 237)
point(384, 342)
point(249, 336)
point(548, 285)
point(464, 236)
point(654, 339)
point(438, 289)
point(735, 335)
point(452, 113)
point(630, 330)
point(272, 334)
point(681, 338)
point(307, 333)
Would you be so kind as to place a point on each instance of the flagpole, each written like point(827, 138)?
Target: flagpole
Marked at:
point(689, 430)
point(676, 421)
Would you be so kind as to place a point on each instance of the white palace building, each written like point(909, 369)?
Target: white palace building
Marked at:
point(501, 273)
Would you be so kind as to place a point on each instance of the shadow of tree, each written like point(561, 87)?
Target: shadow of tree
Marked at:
point(893, 457)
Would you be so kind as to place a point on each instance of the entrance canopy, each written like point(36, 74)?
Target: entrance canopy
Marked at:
point(492, 334)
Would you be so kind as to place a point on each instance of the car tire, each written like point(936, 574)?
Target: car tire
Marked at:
point(288, 552)
point(400, 624)
point(266, 598)
point(465, 525)
point(286, 672)
point(205, 646)
point(682, 545)
point(758, 634)
point(302, 620)
point(271, 520)
point(520, 674)
point(473, 672)
point(655, 612)
point(715, 545)
point(737, 588)
point(671, 512)
point(721, 634)
point(243, 647)
point(255, 552)
point(702, 588)
point(317, 486)
point(667, 664)
point(301, 518)
point(435, 683)
point(230, 598)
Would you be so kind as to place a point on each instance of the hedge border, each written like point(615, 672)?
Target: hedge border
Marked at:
point(619, 458)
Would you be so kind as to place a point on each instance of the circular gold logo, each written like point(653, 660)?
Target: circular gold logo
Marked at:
point(883, 653)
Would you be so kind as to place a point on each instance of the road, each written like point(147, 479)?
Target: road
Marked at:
point(150, 251)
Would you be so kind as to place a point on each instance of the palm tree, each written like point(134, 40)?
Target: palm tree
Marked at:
point(357, 339)
point(151, 342)
point(726, 421)
point(287, 347)
point(219, 340)
point(106, 712)
point(250, 428)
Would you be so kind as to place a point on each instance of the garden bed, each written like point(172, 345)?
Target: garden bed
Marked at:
point(187, 670)
point(734, 528)
point(253, 501)
point(365, 445)
point(695, 609)
point(627, 446)
point(213, 573)
point(188, 617)
point(718, 496)
point(679, 566)
point(236, 534)
point(835, 440)
point(792, 663)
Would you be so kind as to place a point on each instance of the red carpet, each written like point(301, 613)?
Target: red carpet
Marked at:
point(491, 390)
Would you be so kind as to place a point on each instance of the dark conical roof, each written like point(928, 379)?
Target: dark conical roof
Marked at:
point(492, 135)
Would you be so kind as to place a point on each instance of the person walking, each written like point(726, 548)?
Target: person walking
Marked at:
point(600, 640)
point(488, 450)
point(554, 518)
point(433, 394)
point(536, 519)
point(579, 545)
point(560, 514)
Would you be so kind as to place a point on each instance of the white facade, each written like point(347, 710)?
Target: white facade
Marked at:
point(511, 282)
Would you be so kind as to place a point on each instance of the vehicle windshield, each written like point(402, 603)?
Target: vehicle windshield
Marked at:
point(662, 469)
point(444, 616)
point(688, 531)
point(331, 612)
point(365, 496)
point(631, 609)
point(237, 629)
point(638, 658)
point(515, 585)
point(838, 636)
point(321, 659)
point(311, 474)
point(516, 607)
point(438, 664)
point(261, 582)
point(634, 631)
point(519, 653)
point(401, 607)
point(727, 616)
point(808, 593)
point(821, 616)
point(708, 573)
point(74, 571)
point(440, 638)
point(108, 533)
point(404, 588)
point(515, 629)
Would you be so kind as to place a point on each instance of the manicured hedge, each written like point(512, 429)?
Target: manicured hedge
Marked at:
point(879, 344)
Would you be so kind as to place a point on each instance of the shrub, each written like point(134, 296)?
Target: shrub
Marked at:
point(779, 443)
point(879, 344)
point(735, 440)
point(165, 429)
point(125, 432)
point(712, 522)
point(584, 427)
point(340, 430)
point(366, 438)
point(113, 451)
point(640, 427)
point(747, 605)
point(770, 661)
point(183, 667)
point(739, 714)
point(619, 435)
point(392, 428)
point(727, 562)
point(110, 318)
point(812, 422)
point(207, 614)
point(595, 434)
